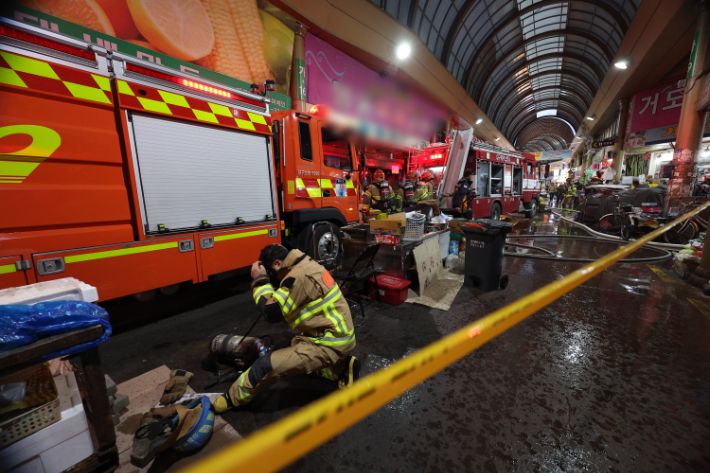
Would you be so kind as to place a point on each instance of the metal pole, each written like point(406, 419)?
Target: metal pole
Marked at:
point(690, 129)
point(692, 122)
point(621, 137)
point(298, 70)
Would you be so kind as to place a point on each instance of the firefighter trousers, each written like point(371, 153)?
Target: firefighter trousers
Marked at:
point(303, 356)
point(568, 203)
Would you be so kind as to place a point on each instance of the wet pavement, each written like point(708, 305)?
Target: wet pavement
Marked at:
point(614, 376)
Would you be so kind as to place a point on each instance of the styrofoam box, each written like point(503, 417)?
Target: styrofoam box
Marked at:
point(65, 289)
point(58, 446)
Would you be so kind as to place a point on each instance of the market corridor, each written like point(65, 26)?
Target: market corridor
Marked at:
point(614, 376)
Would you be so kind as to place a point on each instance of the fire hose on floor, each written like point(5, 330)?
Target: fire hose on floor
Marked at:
point(288, 439)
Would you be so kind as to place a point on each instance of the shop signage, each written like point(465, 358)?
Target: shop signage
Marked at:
point(656, 108)
point(354, 90)
point(553, 155)
point(604, 143)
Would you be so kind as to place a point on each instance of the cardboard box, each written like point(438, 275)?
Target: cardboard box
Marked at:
point(394, 225)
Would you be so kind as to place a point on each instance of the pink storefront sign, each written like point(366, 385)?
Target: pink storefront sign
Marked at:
point(342, 83)
point(655, 108)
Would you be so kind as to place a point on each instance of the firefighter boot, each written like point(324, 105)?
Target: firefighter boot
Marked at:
point(350, 373)
point(223, 404)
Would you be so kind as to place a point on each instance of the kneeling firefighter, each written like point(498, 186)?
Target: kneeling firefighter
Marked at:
point(288, 285)
point(412, 192)
point(378, 198)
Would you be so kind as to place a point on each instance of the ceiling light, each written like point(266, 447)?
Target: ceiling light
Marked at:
point(479, 121)
point(497, 138)
point(591, 118)
point(403, 51)
point(623, 64)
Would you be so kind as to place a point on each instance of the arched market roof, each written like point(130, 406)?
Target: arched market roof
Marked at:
point(518, 58)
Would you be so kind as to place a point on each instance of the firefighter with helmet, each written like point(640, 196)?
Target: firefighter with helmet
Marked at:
point(463, 193)
point(290, 286)
point(412, 192)
point(428, 178)
point(378, 198)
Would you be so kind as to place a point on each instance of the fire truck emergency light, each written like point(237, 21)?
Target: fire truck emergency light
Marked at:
point(205, 88)
point(192, 84)
point(47, 43)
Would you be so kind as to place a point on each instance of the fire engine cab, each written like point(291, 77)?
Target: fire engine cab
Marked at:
point(504, 181)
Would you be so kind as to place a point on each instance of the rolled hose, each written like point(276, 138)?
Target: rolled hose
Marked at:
point(654, 259)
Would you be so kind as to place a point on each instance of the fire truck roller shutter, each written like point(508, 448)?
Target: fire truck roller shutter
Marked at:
point(190, 173)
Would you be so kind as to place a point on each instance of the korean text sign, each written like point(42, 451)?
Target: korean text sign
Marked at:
point(656, 108)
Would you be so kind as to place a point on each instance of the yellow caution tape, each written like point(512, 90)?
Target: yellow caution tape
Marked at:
point(279, 444)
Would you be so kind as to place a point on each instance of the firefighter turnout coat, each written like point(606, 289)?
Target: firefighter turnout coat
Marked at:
point(373, 203)
point(310, 301)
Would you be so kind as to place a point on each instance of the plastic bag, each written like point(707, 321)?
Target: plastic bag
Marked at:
point(451, 262)
point(24, 324)
point(11, 393)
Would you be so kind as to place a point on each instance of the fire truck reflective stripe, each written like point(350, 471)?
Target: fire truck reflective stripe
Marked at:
point(76, 83)
point(247, 125)
point(10, 77)
point(220, 109)
point(103, 82)
point(122, 252)
point(10, 182)
point(205, 116)
point(234, 236)
point(174, 99)
point(313, 192)
point(8, 268)
point(28, 65)
point(325, 183)
point(291, 187)
point(349, 184)
point(124, 88)
point(87, 93)
point(155, 106)
point(257, 118)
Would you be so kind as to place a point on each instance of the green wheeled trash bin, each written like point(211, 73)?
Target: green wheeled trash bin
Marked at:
point(485, 241)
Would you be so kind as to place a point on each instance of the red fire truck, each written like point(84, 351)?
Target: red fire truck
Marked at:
point(504, 181)
point(134, 177)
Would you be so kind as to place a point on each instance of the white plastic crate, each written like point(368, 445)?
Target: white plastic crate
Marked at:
point(65, 289)
point(56, 447)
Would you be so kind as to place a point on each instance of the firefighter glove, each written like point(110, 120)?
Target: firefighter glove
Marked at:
point(179, 379)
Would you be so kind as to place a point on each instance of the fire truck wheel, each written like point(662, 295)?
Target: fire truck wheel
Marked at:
point(169, 290)
point(495, 211)
point(145, 296)
point(328, 245)
point(531, 208)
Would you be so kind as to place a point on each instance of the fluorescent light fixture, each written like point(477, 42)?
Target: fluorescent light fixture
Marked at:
point(547, 113)
point(403, 51)
point(497, 138)
point(479, 121)
point(591, 118)
point(623, 64)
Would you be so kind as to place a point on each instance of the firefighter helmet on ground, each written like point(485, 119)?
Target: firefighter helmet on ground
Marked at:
point(379, 176)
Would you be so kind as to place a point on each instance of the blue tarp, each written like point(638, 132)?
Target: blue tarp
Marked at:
point(24, 324)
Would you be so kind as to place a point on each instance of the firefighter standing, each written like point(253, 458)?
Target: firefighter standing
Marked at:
point(379, 198)
point(460, 202)
point(288, 285)
point(428, 179)
point(570, 193)
point(412, 192)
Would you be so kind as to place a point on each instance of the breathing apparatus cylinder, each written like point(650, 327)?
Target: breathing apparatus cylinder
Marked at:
point(409, 194)
point(233, 346)
point(384, 195)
